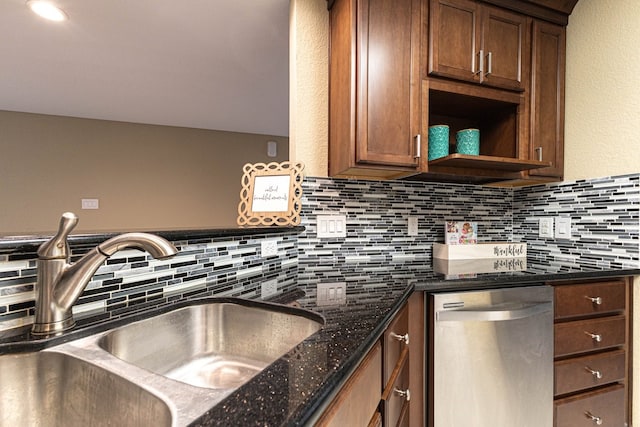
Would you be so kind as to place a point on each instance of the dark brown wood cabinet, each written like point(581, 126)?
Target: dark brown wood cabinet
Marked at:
point(374, 88)
point(478, 43)
point(398, 67)
point(387, 388)
point(592, 353)
point(548, 52)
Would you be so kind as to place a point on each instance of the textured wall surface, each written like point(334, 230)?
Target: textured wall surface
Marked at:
point(603, 95)
point(309, 85)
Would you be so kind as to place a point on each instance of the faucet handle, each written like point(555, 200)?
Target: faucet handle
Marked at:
point(57, 247)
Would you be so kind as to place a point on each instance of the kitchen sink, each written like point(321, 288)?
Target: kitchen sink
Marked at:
point(55, 389)
point(216, 345)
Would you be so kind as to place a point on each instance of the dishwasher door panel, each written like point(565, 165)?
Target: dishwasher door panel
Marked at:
point(493, 358)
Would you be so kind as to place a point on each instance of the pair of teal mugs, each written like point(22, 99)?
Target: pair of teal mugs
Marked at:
point(467, 141)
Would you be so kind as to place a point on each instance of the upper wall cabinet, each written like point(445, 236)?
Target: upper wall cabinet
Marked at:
point(478, 43)
point(547, 98)
point(398, 67)
point(374, 88)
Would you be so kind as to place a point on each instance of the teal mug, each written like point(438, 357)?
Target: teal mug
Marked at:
point(468, 142)
point(438, 141)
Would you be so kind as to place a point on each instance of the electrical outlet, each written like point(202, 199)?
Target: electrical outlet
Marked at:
point(268, 288)
point(269, 247)
point(412, 227)
point(331, 226)
point(545, 227)
point(563, 227)
point(331, 293)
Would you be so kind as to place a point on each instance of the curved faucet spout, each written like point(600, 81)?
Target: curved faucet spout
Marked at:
point(156, 246)
point(61, 283)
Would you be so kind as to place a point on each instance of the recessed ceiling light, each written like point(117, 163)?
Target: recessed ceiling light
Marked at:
point(47, 10)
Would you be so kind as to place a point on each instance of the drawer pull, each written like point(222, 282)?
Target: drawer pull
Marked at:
point(403, 393)
point(596, 420)
point(402, 338)
point(595, 337)
point(596, 374)
point(595, 300)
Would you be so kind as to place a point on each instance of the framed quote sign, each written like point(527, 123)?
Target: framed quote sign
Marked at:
point(270, 194)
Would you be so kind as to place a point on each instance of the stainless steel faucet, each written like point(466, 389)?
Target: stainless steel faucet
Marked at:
point(60, 283)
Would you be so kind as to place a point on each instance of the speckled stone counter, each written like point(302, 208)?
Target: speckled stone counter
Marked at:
point(294, 389)
point(298, 386)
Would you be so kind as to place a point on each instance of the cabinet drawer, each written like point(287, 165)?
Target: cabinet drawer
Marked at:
point(588, 299)
point(589, 371)
point(396, 395)
point(607, 404)
point(587, 335)
point(395, 341)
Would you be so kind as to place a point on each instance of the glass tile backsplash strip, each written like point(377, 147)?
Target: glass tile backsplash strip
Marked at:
point(376, 251)
point(377, 248)
point(132, 280)
point(605, 221)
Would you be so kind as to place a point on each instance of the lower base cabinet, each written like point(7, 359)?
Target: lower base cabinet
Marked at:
point(387, 388)
point(593, 353)
point(357, 402)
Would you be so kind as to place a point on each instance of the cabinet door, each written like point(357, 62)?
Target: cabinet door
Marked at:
point(388, 92)
point(505, 48)
point(454, 39)
point(357, 402)
point(547, 98)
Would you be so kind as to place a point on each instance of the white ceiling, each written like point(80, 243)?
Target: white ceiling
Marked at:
point(211, 64)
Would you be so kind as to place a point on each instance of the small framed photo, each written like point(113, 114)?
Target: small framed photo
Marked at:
point(271, 194)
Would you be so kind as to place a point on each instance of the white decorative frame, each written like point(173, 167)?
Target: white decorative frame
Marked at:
point(271, 194)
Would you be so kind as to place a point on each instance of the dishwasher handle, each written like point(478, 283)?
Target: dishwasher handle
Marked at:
point(494, 314)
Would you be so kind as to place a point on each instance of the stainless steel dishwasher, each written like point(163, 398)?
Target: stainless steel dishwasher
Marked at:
point(492, 363)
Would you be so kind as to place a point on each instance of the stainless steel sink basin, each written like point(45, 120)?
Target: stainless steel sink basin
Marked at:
point(218, 345)
point(55, 389)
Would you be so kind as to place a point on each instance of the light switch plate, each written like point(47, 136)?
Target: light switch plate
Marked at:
point(545, 227)
point(90, 203)
point(331, 293)
point(563, 227)
point(331, 226)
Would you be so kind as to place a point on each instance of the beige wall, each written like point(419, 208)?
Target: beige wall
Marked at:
point(309, 85)
point(145, 176)
point(603, 90)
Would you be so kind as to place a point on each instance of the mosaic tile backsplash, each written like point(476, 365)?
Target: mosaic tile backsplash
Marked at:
point(376, 250)
point(132, 280)
point(605, 221)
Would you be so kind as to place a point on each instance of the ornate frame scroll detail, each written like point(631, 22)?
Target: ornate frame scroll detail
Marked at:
point(271, 194)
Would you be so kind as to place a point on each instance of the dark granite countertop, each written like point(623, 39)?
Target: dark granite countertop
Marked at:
point(10, 244)
point(295, 389)
point(512, 272)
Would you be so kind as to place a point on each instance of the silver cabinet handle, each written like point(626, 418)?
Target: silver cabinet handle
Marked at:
point(489, 63)
point(539, 151)
point(403, 393)
point(596, 420)
point(480, 63)
point(596, 374)
point(418, 146)
point(595, 337)
point(595, 300)
point(402, 338)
